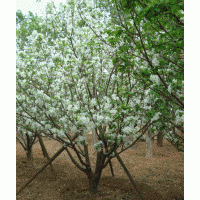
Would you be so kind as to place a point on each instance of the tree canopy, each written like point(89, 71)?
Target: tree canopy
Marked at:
point(115, 67)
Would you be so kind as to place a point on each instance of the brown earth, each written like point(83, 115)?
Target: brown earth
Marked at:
point(161, 177)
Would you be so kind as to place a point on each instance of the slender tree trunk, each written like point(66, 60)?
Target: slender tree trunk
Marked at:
point(42, 169)
point(159, 139)
point(111, 168)
point(46, 154)
point(148, 145)
point(94, 137)
point(29, 154)
point(128, 173)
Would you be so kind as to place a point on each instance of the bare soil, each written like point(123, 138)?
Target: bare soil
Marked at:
point(160, 177)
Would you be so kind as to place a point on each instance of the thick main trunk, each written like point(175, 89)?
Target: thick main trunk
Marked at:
point(94, 178)
point(93, 182)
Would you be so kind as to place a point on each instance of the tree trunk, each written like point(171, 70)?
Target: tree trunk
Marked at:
point(93, 182)
point(160, 139)
point(148, 145)
point(42, 169)
point(29, 154)
point(94, 137)
point(128, 173)
point(46, 154)
point(95, 178)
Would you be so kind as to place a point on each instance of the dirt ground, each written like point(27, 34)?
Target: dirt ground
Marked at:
point(161, 177)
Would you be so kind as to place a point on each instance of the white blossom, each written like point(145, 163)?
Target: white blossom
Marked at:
point(155, 79)
point(127, 129)
point(156, 117)
point(93, 102)
point(113, 112)
point(155, 60)
point(82, 140)
point(169, 89)
point(98, 145)
point(115, 97)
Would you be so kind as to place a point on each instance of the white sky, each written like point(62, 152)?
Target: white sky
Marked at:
point(36, 7)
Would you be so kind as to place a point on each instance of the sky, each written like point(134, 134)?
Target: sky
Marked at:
point(36, 7)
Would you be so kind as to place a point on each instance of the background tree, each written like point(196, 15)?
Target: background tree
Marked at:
point(149, 38)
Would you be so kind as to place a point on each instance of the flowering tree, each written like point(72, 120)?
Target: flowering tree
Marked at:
point(25, 25)
point(67, 86)
point(69, 83)
point(149, 37)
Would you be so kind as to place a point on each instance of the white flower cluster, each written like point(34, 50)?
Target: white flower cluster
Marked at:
point(34, 33)
point(107, 120)
point(83, 120)
point(155, 79)
point(127, 129)
point(107, 106)
point(61, 134)
point(155, 60)
point(73, 129)
point(47, 126)
point(98, 118)
point(169, 89)
point(30, 134)
point(156, 117)
point(51, 110)
point(113, 112)
point(98, 146)
point(35, 126)
point(115, 97)
point(168, 135)
point(63, 119)
point(179, 119)
point(81, 140)
point(93, 102)
point(119, 138)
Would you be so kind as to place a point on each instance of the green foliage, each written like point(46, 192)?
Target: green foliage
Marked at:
point(156, 28)
point(81, 23)
point(26, 25)
point(19, 17)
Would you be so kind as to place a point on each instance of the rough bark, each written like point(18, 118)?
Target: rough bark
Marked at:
point(93, 182)
point(94, 178)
